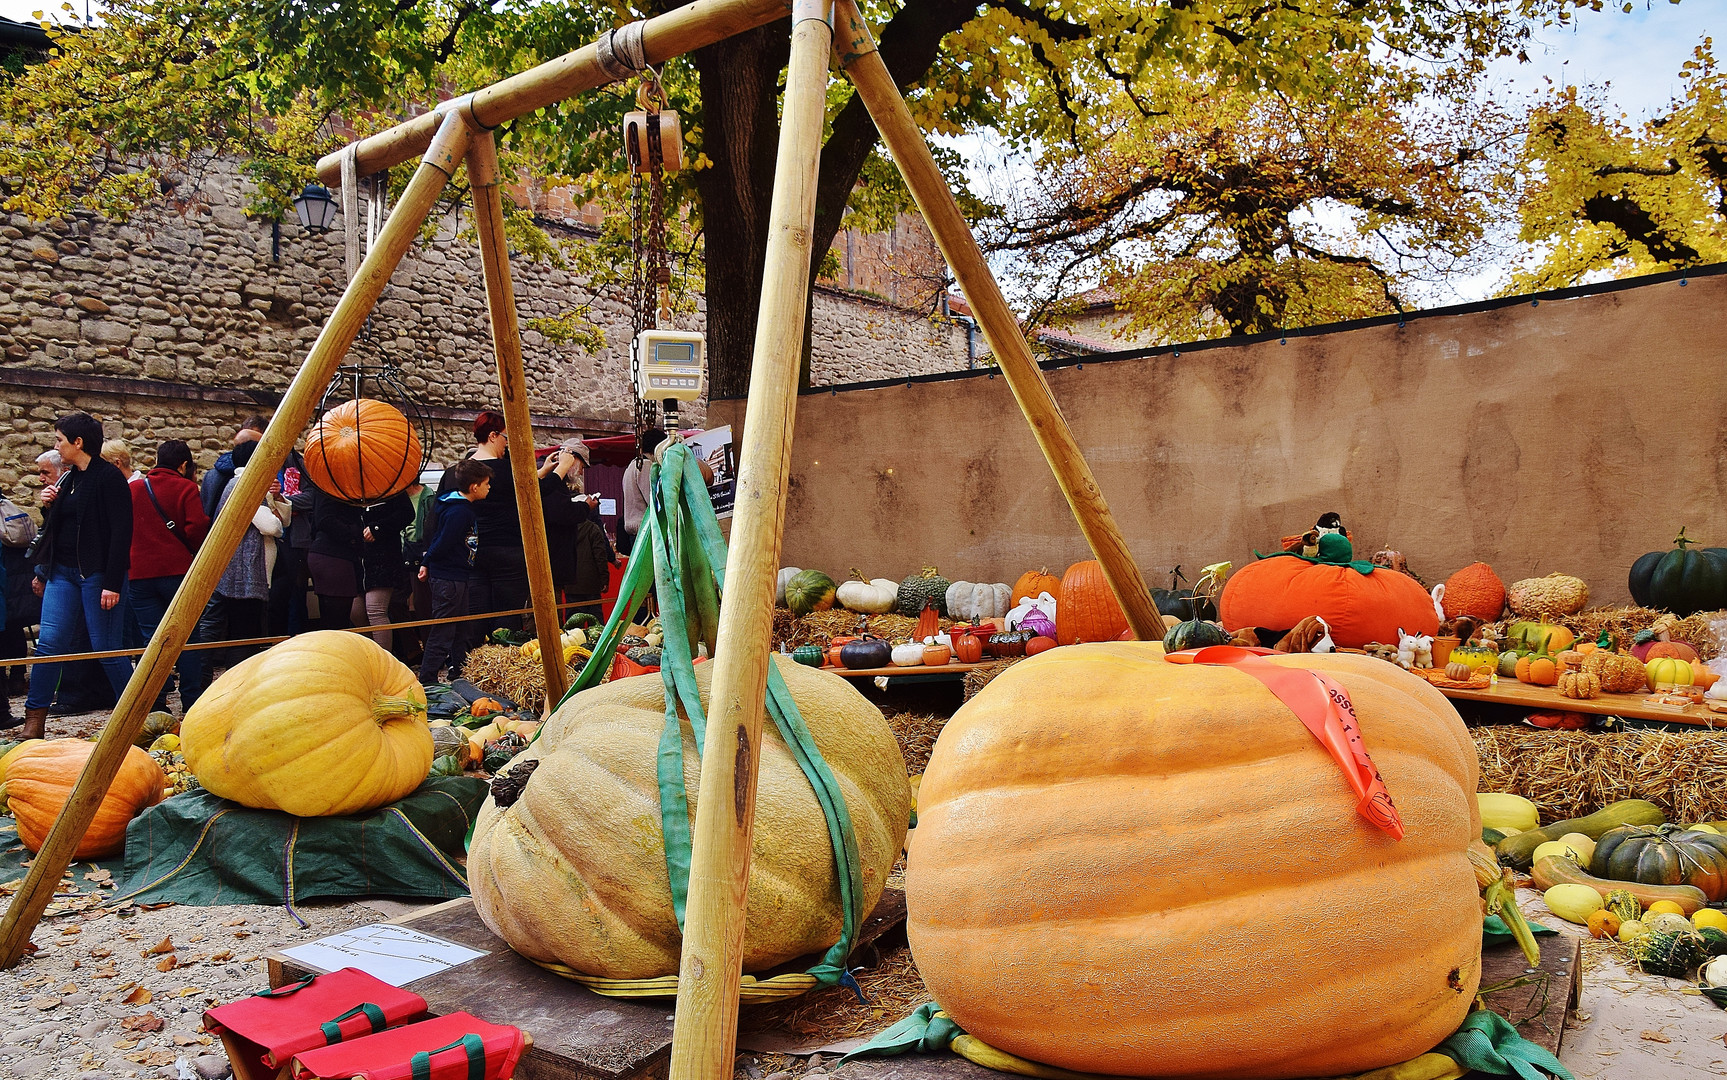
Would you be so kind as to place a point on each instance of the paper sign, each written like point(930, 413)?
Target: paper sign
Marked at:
point(609, 507)
point(389, 953)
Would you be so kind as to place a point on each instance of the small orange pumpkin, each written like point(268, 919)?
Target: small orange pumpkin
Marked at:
point(362, 451)
point(1087, 610)
point(1034, 583)
point(1039, 644)
point(834, 647)
point(968, 648)
point(1475, 591)
point(485, 707)
point(936, 655)
point(40, 779)
point(1538, 669)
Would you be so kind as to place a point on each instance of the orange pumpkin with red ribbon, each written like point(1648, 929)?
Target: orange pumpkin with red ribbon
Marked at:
point(1036, 875)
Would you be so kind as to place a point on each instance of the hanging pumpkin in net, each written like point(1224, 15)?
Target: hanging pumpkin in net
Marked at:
point(363, 451)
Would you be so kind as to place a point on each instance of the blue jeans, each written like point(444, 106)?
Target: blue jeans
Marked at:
point(69, 602)
point(150, 598)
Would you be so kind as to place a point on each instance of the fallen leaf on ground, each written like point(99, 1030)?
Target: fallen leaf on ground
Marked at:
point(105, 973)
point(165, 945)
point(191, 1040)
point(43, 1004)
point(125, 1044)
point(168, 963)
point(221, 957)
point(160, 1057)
point(101, 954)
point(187, 991)
point(139, 996)
point(1655, 1036)
point(242, 933)
point(70, 930)
point(235, 922)
point(144, 1022)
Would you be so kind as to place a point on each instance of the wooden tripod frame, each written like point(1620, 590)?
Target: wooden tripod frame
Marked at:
point(705, 1036)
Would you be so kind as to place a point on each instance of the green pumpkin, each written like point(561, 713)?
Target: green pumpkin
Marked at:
point(1194, 634)
point(928, 589)
point(809, 590)
point(809, 655)
point(1663, 855)
point(1508, 664)
point(1671, 954)
point(1684, 580)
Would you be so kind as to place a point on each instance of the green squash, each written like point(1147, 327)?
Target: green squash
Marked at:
point(447, 765)
point(1528, 636)
point(810, 590)
point(1194, 634)
point(1508, 664)
point(809, 655)
point(928, 589)
point(1663, 855)
point(1674, 955)
point(1685, 580)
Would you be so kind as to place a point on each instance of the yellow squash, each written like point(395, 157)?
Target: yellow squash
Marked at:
point(324, 723)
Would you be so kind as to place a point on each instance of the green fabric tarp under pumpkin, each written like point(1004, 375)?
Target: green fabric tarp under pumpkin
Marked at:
point(198, 849)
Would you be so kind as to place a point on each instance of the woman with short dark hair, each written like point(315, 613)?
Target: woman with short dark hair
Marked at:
point(82, 564)
point(168, 525)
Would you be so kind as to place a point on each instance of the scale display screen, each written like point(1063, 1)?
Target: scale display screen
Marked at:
point(671, 366)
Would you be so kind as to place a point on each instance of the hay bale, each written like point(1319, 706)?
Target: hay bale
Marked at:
point(820, 627)
point(916, 734)
point(1570, 774)
point(505, 670)
point(979, 677)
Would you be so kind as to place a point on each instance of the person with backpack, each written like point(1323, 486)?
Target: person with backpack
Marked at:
point(168, 525)
point(449, 564)
point(82, 564)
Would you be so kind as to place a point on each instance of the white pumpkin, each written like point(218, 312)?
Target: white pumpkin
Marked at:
point(910, 655)
point(786, 574)
point(976, 600)
point(870, 597)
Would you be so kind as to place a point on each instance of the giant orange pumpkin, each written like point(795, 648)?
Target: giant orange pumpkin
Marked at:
point(1087, 610)
point(1278, 592)
point(363, 451)
point(1034, 583)
point(1110, 846)
point(1474, 591)
point(40, 779)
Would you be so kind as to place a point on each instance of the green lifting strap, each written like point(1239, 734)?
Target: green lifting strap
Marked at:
point(684, 556)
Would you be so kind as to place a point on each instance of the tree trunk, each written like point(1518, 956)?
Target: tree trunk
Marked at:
point(740, 134)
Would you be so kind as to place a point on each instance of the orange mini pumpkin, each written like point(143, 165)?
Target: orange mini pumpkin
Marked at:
point(40, 779)
point(1087, 610)
point(967, 648)
point(1474, 591)
point(1538, 670)
point(1038, 875)
point(362, 451)
point(1034, 583)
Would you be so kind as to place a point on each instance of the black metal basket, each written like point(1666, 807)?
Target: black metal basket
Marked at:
point(381, 382)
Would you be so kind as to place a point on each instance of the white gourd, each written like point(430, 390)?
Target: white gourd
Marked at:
point(786, 574)
point(907, 655)
point(977, 600)
point(870, 597)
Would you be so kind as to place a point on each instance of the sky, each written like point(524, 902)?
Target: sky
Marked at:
point(1636, 55)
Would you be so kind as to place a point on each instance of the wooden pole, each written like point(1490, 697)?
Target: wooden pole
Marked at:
point(704, 1039)
point(663, 37)
point(226, 531)
point(875, 85)
point(512, 385)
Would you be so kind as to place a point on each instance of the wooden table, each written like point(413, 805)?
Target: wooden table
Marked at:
point(915, 673)
point(1546, 698)
point(577, 1033)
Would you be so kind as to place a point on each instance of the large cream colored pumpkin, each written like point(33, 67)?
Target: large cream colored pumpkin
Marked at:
point(324, 723)
point(574, 872)
point(1138, 868)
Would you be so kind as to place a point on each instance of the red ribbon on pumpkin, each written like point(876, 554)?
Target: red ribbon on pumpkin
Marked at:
point(1323, 705)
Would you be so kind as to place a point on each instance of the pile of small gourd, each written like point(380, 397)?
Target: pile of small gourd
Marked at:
point(1547, 654)
point(1624, 873)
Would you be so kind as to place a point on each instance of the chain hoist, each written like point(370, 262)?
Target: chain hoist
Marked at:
point(666, 364)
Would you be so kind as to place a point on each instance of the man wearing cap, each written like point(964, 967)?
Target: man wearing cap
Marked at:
point(580, 551)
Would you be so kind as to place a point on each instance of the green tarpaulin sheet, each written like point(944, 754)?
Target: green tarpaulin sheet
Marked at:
point(198, 849)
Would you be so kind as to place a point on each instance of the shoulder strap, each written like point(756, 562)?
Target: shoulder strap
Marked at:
point(173, 526)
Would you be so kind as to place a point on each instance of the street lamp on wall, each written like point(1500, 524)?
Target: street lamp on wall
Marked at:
point(315, 207)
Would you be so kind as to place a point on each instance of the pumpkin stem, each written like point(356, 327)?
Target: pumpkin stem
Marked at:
point(391, 707)
point(929, 572)
point(1681, 540)
point(857, 575)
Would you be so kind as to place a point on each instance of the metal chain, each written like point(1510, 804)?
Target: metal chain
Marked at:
point(660, 259)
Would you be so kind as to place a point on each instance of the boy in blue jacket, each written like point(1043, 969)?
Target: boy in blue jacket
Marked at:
point(449, 563)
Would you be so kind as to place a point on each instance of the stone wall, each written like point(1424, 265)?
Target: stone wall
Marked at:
point(180, 322)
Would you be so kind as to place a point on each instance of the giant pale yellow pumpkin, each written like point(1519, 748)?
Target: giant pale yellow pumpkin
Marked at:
point(324, 723)
point(1137, 868)
point(574, 871)
point(39, 780)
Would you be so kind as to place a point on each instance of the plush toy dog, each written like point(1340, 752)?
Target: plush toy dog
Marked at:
point(1311, 634)
point(1414, 650)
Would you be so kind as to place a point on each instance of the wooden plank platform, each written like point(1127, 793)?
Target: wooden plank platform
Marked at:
point(1546, 698)
point(916, 673)
point(577, 1033)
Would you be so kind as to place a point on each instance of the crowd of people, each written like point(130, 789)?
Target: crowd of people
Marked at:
point(98, 573)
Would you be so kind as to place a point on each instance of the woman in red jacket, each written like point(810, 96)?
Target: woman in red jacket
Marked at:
point(168, 524)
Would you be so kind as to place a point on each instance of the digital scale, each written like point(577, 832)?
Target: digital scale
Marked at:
point(669, 366)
